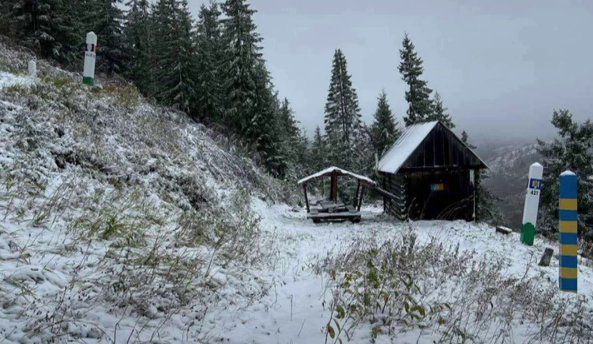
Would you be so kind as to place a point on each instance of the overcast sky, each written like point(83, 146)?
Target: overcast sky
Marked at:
point(501, 67)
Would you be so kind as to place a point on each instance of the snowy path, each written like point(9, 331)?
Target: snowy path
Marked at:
point(294, 311)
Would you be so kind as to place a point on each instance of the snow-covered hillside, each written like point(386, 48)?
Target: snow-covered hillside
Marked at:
point(513, 160)
point(124, 222)
point(509, 167)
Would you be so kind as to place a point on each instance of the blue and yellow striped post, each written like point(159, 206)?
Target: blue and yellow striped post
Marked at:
point(568, 231)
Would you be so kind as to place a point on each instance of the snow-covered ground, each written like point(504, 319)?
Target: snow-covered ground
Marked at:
point(281, 300)
point(296, 309)
point(124, 222)
point(9, 79)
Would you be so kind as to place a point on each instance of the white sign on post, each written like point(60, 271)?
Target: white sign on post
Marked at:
point(90, 55)
point(534, 186)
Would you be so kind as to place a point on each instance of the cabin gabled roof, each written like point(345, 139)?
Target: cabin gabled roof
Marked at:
point(412, 138)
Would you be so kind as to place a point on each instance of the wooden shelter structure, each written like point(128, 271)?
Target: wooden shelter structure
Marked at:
point(432, 175)
point(332, 209)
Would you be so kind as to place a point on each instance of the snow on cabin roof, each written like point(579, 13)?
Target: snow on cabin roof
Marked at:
point(401, 150)
point(407, 143)
point(329, 170)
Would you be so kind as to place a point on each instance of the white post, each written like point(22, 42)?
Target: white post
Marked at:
point(33, 69)
point(88, 77)
point(534, 187)
point(472, 181)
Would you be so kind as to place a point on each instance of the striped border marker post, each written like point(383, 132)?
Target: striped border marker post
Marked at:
point(534, 186)
point(568, 231)
point(90, 55)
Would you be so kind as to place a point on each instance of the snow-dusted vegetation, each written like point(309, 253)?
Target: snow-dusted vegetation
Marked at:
point(162, 206)
point(113, 209)
point(125, 222)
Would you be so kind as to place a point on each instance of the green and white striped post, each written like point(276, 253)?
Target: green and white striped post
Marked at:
point(90, 55)
point(567, 212)
point(534, 187)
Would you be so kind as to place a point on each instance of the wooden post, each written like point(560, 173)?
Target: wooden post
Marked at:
point(306, 199)
point(356, 194)
point(334, 188)
point(361, 196)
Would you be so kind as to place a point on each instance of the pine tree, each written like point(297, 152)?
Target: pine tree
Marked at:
point(6, 17)
point(46, 26)
point(209, 54)
point(262, 129)
point(464, 138)
point(439, 112)
point(486, 211)
point(571, 150)
point(105, 19)
point(342, 115)
point(304, 162)
point(318, 158)
point(418, 93)
point(318, 151)
point(364, 161)
point(242, 58)
point(290, 134)
point(140, 44)
point(175, 59)
point(384, 131)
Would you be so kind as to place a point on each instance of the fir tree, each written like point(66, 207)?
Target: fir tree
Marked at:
point(384, 131)
point(342, 115)
point(303, 155)
point(418, 93)
point(571, 150)
point(439, 112)
point(175, 60)
point(318, 151)
point(364, 161)
point(209, 55)
point(290, 134)
point(6, 16)
point(46, 26)
point(262, 130)
point(242, 58)
point(464, 138)
point(140, 44)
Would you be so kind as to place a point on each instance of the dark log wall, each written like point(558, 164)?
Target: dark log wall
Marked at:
point(395, 184)
point(454, 201)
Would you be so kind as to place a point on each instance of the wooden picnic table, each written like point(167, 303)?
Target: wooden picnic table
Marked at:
point(330, 205)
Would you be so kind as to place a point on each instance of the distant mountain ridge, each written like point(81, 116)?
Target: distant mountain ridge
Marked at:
point(509, 168)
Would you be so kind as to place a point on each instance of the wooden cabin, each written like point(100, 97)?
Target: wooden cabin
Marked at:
point(431, 173)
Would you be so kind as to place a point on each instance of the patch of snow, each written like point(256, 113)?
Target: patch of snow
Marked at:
point(332, 169)
point(9, 79)
point(405, 145)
